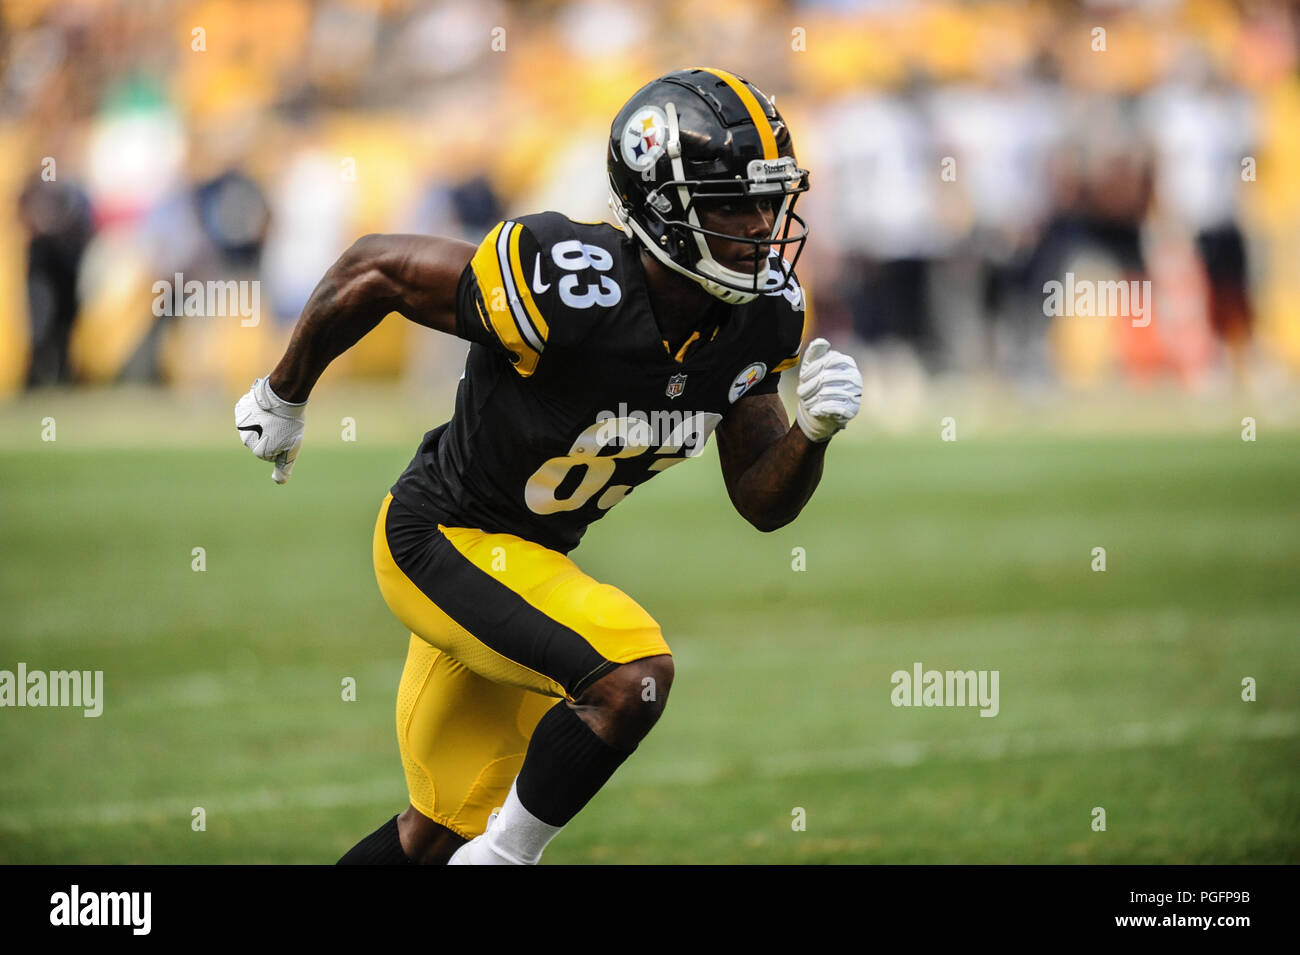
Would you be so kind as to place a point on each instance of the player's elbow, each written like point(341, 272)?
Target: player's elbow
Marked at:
point(369, 246)
point(364, 255)
point(767, 522)
point(359, 272)
point(759, 510)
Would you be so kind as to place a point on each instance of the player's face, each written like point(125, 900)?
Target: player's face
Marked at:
point(750, 217)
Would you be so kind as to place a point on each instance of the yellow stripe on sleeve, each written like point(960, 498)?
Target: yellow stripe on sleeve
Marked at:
point(492, 286)
point(521, 283)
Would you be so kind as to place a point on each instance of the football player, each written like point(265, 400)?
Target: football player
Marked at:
point(599, 358)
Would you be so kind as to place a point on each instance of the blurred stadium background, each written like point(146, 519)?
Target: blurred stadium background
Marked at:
point(253, 141)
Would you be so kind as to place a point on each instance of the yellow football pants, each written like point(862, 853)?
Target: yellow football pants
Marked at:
point(502, 629)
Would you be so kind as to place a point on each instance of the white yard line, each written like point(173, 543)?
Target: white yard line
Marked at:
point(178, 807)
point(985, 748)
point(1282, 725)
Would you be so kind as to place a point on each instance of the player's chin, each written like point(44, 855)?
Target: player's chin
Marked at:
point(748, 264)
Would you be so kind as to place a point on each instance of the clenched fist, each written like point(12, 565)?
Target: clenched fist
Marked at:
point(830, 391)
point(270, 427)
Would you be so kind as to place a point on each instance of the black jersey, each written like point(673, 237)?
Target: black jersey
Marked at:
point(570, 397)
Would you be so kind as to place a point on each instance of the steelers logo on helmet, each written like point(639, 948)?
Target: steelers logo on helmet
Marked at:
point(644, 136)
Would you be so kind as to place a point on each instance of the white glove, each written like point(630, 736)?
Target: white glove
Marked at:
point(830, 391)
point(270, 427)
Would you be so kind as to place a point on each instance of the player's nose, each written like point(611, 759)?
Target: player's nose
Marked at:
point(758, 222)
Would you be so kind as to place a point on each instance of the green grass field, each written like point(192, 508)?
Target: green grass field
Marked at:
point(1119, 689)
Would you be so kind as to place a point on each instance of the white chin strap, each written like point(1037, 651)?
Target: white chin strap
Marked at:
point(729, 295)
point(712, 268)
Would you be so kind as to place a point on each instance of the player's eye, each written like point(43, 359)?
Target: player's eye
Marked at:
point(737, 207)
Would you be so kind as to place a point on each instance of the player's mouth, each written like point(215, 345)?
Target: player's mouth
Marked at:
point(750, 264)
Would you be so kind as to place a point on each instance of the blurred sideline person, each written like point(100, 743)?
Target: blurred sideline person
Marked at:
point(1201, 128)
point(527, 683)
point(887, 215)
point(57, 218)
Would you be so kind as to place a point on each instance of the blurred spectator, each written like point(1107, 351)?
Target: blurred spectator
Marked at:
point(1002, 134)
point(882, 168)
point(311, 205)
point(227, 140)
point(1102, 191)
point(56, 216)
point(235, 218)
point(1202, 129)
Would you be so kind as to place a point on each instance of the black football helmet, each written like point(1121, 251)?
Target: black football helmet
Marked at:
point(705, 134)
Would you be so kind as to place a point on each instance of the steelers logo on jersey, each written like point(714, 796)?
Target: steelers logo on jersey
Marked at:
point(644, 138)
point(747, 379)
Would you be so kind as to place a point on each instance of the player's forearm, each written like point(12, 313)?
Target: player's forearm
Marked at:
point(775, 488)
point(342, 309)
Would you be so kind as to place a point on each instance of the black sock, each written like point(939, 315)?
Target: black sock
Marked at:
point(381, 847)
point(565, 766)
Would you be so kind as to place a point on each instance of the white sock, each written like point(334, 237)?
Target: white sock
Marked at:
point(516, 837)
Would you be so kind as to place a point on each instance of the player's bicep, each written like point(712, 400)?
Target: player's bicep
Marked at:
point(754, 424)
point(419, 275)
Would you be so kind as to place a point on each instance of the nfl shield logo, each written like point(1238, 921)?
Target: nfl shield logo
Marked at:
point(676, 385)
